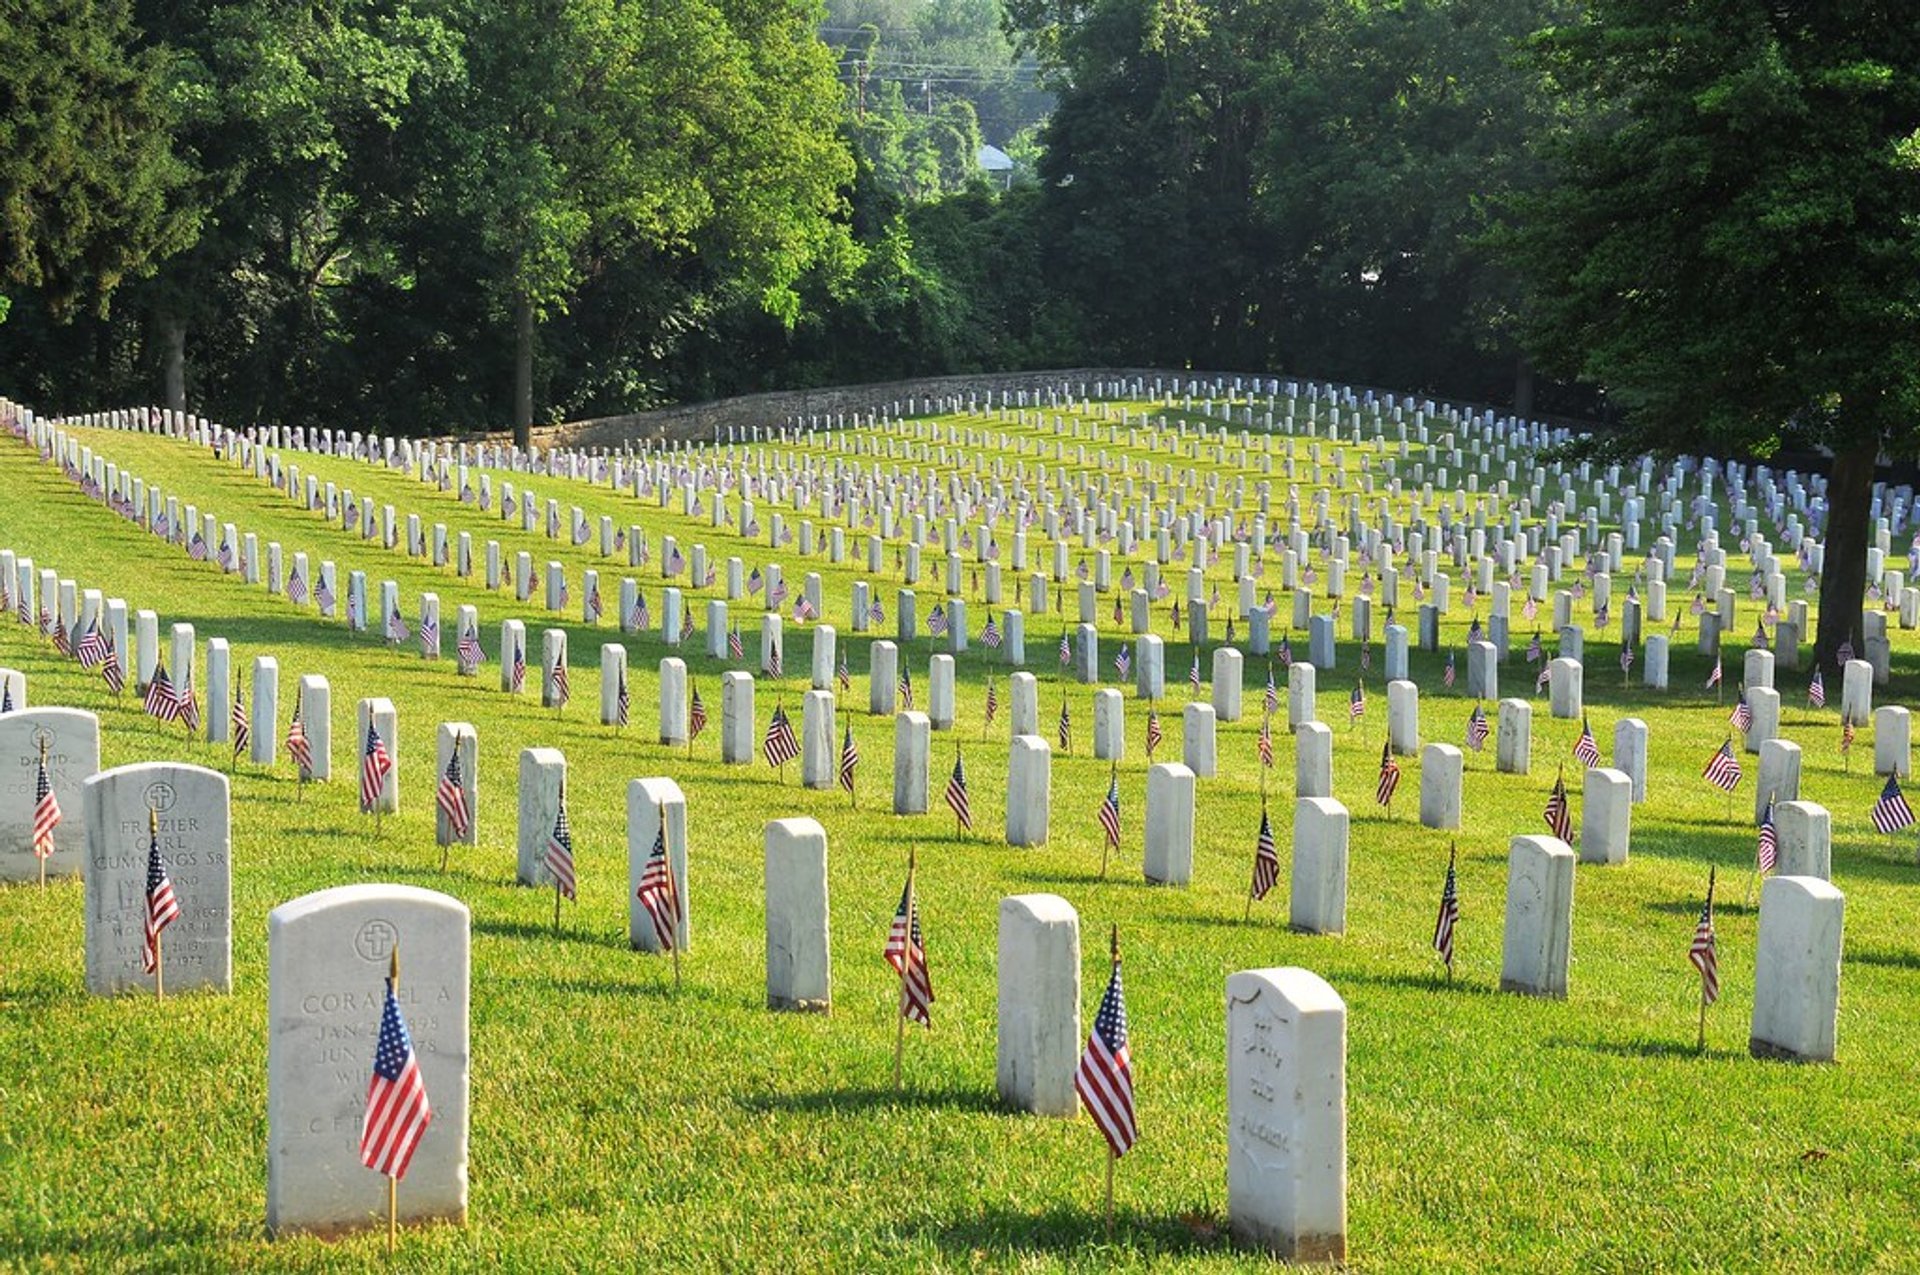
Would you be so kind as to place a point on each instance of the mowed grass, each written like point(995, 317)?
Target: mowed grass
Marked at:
point(617, 1125)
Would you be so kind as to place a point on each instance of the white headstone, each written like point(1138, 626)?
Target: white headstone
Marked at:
point(1796, 970)
point(1539, 923)
point(1169, 824)
point(1319, 902)
point(71, 739)
point(1029, 790)
point(543, 778)
point(799, 957)
point(1606, 816)
point(649, 802)
point(1039, 1038)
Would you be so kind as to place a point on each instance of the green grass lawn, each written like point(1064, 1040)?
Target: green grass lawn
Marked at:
point(618, 1125)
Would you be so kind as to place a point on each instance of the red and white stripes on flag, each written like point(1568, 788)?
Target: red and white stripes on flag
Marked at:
point(1449, 917)
point(1723, 768)
point(1110, 810)
point(1585, 750)
point(659, 891)
point(451, 795)
point(376, 763)
point(163, 907)
point(398, 1112)
point(46, 811)
point(1266, 859)
point(1104, 1078)
point(957, 798)
point(906, 952)
point(1703, 952)
point(1389, 776)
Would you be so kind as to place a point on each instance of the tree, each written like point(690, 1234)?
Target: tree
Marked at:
point(87, 171)
point(1731, 244)
point(691, 141)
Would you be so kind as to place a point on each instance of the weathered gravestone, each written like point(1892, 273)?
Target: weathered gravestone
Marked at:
point(1287, 1114)
point(183, 809)
point(71, 740)
point(328, 957)
point(651, 804)
point(1039, 1038)
point(799, 956)
point(1796, 970)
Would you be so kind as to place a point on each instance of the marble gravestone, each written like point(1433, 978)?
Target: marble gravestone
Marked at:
point(799, 954)
point(1539, 920)
point(1287, 1114)
point(650, 802)
point(1039, 1039)
point(186, 809)
point(72, 740)
point(328, 957)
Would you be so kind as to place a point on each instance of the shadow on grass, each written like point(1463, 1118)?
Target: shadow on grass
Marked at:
point(1078, 1231)
point(1647, 1047)
point(658, 986)
point(107, 1245)
point(1887, 958)
point(878, 1098)
point(1434, 982)
point(1113, 877)
point(1262, 922)
point(570, 931)
point(1722, 906)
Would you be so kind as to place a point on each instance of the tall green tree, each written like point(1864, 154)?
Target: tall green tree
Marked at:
point(694, 137)
point(1731, 244)
point(87, 170)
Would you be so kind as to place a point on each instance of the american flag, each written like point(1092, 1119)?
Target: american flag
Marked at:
point(197, 548)
point(1626, 659)
point(1559, 814)
point(1065, 728)
point(990, 636)
point(1389, 776)
point(1154, 733)
point(1110, 809)
point(518, 669)
point(1123, 662)
point(1769, 848)
point(1742, 717)
point(1366, 658)
point(1723, 768)
point(46, 810)
point(780, 745)
point(1817, 690)
point(1066, 649)
point(904, 689)
point(1891, 813)
point(1702, 952)
point(1357, 703)
point(993, 703)
point(736, 649)
point(298, 747)
point(323, 595)
point(957, 799)
point(1446, 678)
point(1266, 741)
point(1844, 654)
point(186, 701)
point(238, 724)
point(591, 604)
point(397, 1108)
point(375, 765)
point(429, 636)
point(1273, 691)
point(622, 701)
point(776, 667)
point(60, 642)
point(1193, 674)
point(906, 952)
point(559, 856)
point(467, 648)
point(1713, 676)
point(640, 618)
point(843, 674)
point(161, 703)
point(1846, 735)
point(659, 891)
point(754, 581)
point(1266, 858)
point(937, 620)
point(803, 610)
point(875, 612)
point(1443, 925)
point(1585, 750)
point(562, 681)
point(1477, 728)
point(1104, 1078)
point(1533, 648)
point(92, 647)
point(1286, 652)
point(163, 909)
point(1546, 676)
point(849, 759)
point(451, 795)
point(111, 670)
point(696, 717)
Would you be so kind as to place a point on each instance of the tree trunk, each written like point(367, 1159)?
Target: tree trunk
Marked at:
point(173, 361)
point(523, 371)
point(1843, 577)
point(1523, 387)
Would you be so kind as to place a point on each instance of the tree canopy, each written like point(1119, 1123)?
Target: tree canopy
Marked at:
point(1730, 242)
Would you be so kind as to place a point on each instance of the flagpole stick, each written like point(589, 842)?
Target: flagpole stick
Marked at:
point(159, 967)
point(556, 907)
point(1111, 1158)
point(393, 1213)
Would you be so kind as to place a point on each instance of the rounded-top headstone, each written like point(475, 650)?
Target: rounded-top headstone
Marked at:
point(328, 957)
point(71, 738)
